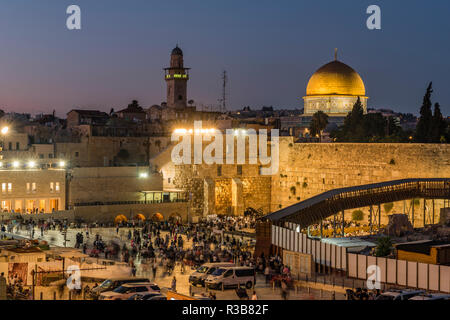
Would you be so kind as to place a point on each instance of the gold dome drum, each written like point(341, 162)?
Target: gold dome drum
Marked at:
point(334, 89)
point(335, 78)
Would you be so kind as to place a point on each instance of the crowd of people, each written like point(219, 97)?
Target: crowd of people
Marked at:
point(152, 248)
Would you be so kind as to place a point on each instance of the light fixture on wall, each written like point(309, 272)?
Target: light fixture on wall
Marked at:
point(143, 175)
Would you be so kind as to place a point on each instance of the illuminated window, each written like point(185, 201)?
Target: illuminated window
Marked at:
point(3, 187)
point(51, 187)
point(28, 187)
point(9, 187)
point(57, 186)
point(33, 187)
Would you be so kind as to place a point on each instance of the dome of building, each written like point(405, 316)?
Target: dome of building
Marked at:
point(335, 78)
point(177, 51)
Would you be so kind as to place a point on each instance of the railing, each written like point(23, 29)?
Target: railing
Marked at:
point(107, 203)
point(319, 207)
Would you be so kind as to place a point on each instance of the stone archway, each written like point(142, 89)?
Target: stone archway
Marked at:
point(175, 217)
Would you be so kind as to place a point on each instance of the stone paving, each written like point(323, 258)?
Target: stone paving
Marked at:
point(264, 291)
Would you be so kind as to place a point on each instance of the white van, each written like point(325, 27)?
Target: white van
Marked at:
point(231, 277)
point(198, 276)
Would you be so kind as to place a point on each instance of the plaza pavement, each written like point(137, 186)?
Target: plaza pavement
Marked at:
point(264, 291)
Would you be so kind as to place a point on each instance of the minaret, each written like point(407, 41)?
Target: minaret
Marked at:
point(176, 78)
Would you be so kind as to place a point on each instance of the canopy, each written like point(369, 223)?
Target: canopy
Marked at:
point(120, 218)
point(157, 217)
point(140, 216)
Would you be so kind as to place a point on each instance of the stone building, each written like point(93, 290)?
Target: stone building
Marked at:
point(28, 190)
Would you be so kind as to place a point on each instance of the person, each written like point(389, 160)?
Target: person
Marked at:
point(154, 266)
point(2, 286)
point(241, 293)
point(267, 273)
point(254, 296)
point(284, 292)
point(174, 284)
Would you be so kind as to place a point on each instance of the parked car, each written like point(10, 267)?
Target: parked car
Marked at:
point(437, 296)
point(198, 276)
point(144, 296)
point(128, 289)
point(231, 277)
point(113, 283)
point(397, 295)
point(160, 297)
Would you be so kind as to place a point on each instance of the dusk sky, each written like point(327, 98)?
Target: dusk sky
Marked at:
point(269, 49)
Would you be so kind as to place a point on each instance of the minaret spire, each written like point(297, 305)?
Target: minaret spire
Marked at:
point(335, 54)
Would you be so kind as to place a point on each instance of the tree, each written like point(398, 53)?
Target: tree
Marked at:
point(423, 129)
point(384, 247)
point(318, 123)
point(388, 207)
point(352, 130)
point(439, 125)
point(357, 215)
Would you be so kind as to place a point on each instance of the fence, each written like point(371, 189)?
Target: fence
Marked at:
point(325, 254)
point(395, 272)
point(401, 272)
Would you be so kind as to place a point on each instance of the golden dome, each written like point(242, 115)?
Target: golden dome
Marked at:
point(335, 78)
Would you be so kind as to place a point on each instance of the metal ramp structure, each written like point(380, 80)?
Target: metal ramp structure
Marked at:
point(324, 205)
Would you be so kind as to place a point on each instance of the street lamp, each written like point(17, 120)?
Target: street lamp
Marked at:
point(143, 175)
point(4, 130)
point(62, 164)
point(16, 164)
point(31, 164)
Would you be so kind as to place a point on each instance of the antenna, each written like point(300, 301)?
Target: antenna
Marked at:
point(223, 100)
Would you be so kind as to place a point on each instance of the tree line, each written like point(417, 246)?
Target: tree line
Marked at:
point(432, 127)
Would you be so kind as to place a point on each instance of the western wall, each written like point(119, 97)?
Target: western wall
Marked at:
point(305, 170)
point(308, 169)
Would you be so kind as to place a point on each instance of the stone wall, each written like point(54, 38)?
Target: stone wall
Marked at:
point(313, 168)
point(305, 170)
point(107, 213)
point(111, 184)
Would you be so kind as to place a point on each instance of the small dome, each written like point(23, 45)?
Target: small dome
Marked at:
point(177, 51)
point(335, 78)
